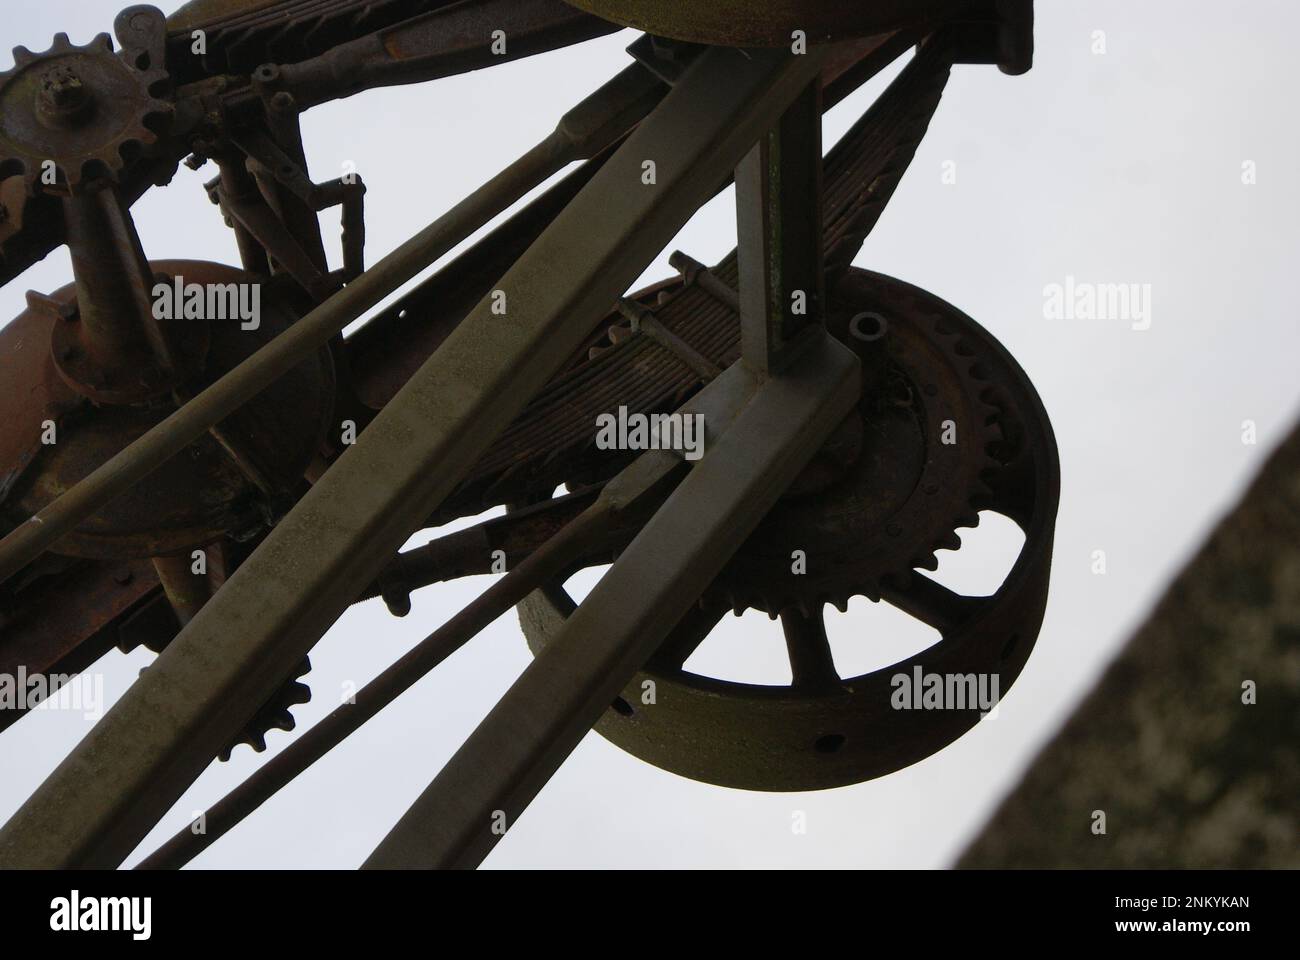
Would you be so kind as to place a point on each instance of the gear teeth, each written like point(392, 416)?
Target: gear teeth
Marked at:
point(145, 116)
point(962, 355)
point(158, 117)
point(950, 542)
point(92, 168)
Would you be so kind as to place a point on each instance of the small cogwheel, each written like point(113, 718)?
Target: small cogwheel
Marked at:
point(74, 115)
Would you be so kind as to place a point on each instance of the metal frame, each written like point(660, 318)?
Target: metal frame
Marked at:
point(247, 639)
point(693, 116)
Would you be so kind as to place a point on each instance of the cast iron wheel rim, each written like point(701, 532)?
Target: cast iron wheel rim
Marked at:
point(830, 732)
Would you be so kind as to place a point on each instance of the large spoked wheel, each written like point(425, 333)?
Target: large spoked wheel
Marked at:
point(893, 502)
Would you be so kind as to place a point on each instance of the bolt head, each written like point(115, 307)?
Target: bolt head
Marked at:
point(62, 99)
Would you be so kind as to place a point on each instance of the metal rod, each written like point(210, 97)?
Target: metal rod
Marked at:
point(693, 271)
point(113, 281)
point(186, 591)
point(581, 133)
point(496, 773)
point(213, 676)
point(643, 319)
point(621, 502)
point(440, 43)
point(548, 561)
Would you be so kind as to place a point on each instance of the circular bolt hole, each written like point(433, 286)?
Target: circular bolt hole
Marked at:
point(868, 326)
point(829, 743)
point(622, 707)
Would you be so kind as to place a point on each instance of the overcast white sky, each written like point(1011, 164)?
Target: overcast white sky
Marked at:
point(1115, 167)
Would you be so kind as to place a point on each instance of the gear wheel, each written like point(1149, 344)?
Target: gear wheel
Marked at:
point(910, 466)
point(78, 115)
point(274, 714)
point(924, 363)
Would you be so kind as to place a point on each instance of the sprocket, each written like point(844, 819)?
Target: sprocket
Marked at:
point(825, 729)
point(918, 461)
point(274, 714)
point(74, 116)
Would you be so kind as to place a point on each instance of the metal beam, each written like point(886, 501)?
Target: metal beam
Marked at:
point(779, 234)
point(624, 501)
point(101, 801)
point(542, 717)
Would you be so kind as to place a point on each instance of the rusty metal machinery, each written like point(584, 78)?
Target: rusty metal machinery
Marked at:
point(134, 441)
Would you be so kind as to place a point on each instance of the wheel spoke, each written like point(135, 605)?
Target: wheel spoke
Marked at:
point(811, 663)
point(932, 603)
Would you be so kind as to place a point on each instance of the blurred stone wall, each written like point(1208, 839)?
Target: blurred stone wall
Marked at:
point(1184, 771)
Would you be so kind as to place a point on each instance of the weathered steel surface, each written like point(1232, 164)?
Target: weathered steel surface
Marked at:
point(503, 410)
point(84, 109)
point(862, 535)
point(587, 524)
point(584, 131)
point(162, 733)
point(779, 235)
point(1188, 774)
point(773, 22)
point(541, 718)
point(46, 633)
point(242, 34)
point(453, 39)
point(551, 442)
point(192, 500)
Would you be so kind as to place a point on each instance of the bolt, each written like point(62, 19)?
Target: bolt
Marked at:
point(62, 87)
point(63, 99)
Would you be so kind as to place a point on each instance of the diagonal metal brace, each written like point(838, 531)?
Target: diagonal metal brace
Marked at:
point(137, 761)
point(542, 717)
